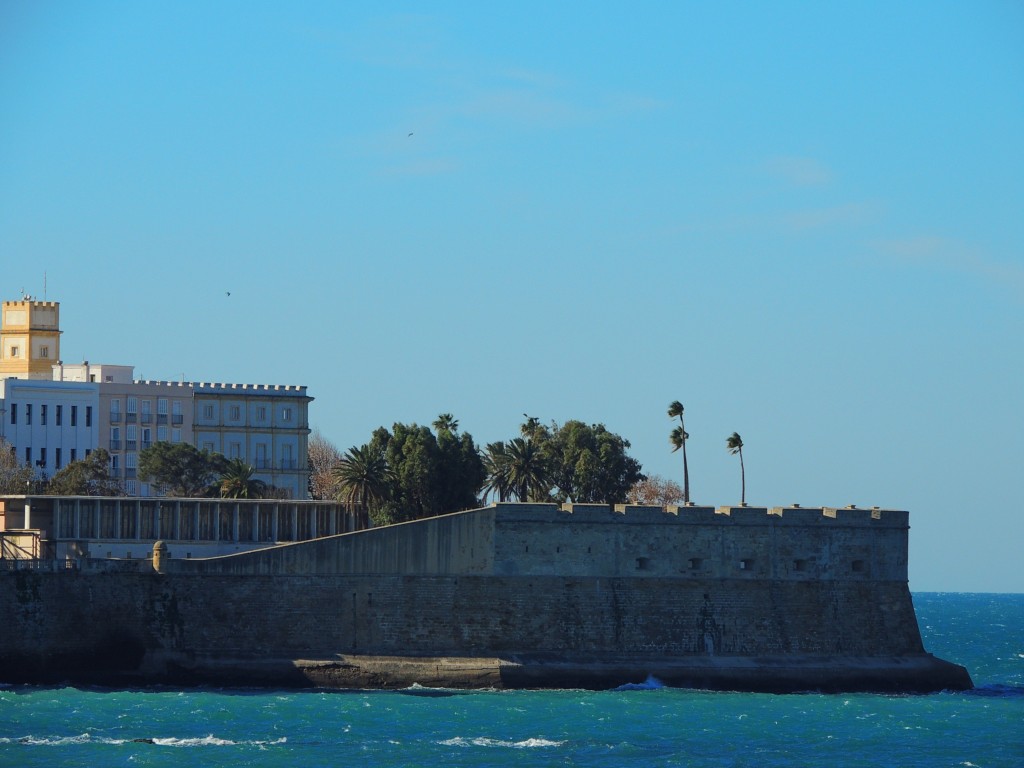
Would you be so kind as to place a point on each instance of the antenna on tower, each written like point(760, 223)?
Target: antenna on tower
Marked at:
point(44, 285)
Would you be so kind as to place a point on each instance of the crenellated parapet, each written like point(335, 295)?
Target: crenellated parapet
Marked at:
point(631, 514)
point(791, 543)
point(263, 389)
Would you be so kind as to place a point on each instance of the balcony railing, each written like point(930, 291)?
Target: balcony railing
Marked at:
point(147, 418)
point(115, 417)
point(130, 418)
point(177, 418)
point(146, 444)
point(115, 445)
point(131, 445)
point(161, 418)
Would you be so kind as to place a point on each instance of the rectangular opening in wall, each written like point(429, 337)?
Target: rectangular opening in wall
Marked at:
point(643, 563)
point(747, 564)
point(799, 565)
point(695, 563)
point(858, 566)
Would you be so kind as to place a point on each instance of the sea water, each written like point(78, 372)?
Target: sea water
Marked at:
point(640, 725)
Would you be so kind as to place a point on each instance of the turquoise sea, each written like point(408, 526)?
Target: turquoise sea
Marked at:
point(646, 726)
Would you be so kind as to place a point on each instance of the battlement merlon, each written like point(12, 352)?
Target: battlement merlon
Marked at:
point(631, 514)
point(217, 388)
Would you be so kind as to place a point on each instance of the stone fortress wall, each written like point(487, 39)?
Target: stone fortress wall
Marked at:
point(783, 599)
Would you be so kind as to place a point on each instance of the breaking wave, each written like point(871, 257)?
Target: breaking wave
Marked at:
point(480, 741)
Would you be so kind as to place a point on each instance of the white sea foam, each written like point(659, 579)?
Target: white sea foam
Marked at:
point(481, 741)
point(205, 741)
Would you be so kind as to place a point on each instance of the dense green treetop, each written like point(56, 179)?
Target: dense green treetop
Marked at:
point(181, 469)
point(15, 476)
point(86, 477)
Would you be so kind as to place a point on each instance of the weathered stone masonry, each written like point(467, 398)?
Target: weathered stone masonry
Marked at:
point(783, 599)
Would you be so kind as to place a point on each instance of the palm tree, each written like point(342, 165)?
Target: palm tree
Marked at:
point(237, 481)
point(445, 422)
point(678, 438)
point(527, 470)
point(496, 464)
point(363, 479)
point(735, 445)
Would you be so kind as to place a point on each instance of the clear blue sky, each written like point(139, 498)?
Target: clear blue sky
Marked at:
point(803, 220)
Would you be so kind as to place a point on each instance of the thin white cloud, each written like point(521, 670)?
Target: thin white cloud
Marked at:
point(833, 216)
point(936, 252)
point(799, 171)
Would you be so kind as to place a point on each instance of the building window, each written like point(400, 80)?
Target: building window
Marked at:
point(747, 564)
point(88, 415)
point(132, 405)
point(129, 488)
point(161, 434)
point(59, 415)
point(799, 565)
point(147, 437)
point(207, 411)
point(695, 564)
point(286, 414)
point(643, 563)
point(42, 414)
point(74, 415)
point(208, 446)
point(261, 413)
point(28, 413)
point(115, 463)
point(57, 458)
point(858, 566)
point(161, 406)
point(14, 351)
point(115, 438)
point(175, 435)
point(74, 454)
point(235, 451)
point(129, 460)
point(44, 351)
point(42, 457)
point(14, 413)
point(236, 413)
point(28, 456)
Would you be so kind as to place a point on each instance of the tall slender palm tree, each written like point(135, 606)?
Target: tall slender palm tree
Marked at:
point(496, 464)
point(445, 422)
point(237, 482)
point(735, 445)
point(678, 438)
point(364, 479)
point(528, 474)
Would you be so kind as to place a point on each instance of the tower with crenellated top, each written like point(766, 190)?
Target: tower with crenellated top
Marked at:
point(29, 338)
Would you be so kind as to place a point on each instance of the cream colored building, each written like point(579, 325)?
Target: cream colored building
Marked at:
point(29, 338)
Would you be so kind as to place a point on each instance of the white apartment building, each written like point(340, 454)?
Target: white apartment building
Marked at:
point(49, 424)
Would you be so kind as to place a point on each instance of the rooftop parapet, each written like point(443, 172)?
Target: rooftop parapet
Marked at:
point(218, 387)
point(156, 383)
point(698, 515)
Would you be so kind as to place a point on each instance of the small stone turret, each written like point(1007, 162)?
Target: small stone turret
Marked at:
point(160, 554)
